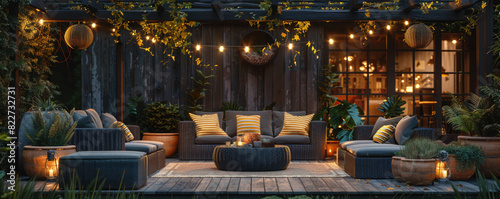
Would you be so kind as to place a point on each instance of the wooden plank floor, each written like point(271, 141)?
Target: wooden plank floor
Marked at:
point(200, 186)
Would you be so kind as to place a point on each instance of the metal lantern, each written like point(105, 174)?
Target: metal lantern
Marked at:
point(51, 167)
point(443, 173)
point(79, 36)
point(418, 36)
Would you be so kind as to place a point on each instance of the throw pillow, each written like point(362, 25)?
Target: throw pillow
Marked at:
point(279, 117)
point(384, 133)
point(107, 119)
point(95, 117)
point(265, 121)
point(296, 125)
point(220, 115)
point(382, 121)
point(247, 124)
point(207, 125)
point(84, 121)
point(404, 129)
point(128, 135)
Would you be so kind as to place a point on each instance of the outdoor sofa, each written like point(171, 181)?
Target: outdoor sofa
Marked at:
point(310, 147)
point(364, 158)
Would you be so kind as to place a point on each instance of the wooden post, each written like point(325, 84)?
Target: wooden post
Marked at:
point(119, 82)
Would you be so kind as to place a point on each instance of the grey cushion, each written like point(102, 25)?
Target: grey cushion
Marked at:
point(404, 129)
point(292, 139)
point(81, 112)
point(159, 145)
point(374, 150)
point(265, 121)
point(220, 115)
point(135, 146)
point(382, 121)
point(85, 122)
point(212, 139)
point(279, 118)
point(103, 155)
point(95, 117)
point(261, 136)
point(107, 119)
point(344, 145)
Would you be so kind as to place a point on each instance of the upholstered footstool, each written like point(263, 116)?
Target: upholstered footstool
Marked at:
point(251, 159)
point(111, 166)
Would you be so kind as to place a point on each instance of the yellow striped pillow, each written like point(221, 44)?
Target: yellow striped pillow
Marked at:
point(207, 124)
point(296, 125)
point(247, 124)
point(128, 135)
point(384, 133)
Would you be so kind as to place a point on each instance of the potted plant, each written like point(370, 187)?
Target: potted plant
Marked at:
point(463, 160)
point(48, 130)
point(160, 121)
point(418, 167)
point(477, 119)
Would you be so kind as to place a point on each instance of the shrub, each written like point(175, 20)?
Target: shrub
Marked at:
point(420, 148)
point(160, 117)
point(51, 128)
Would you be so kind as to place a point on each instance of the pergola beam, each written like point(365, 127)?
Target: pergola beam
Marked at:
point(216, 6)
point(409, 5)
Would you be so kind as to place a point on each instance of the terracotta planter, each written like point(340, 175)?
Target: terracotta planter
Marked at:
point(34, 158)
point(396, 168)
point(457, 174)
point(419, 172)
point(331, 147)
point(491, 148)
point(170, 141)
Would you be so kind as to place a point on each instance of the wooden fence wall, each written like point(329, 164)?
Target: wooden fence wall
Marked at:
point(158, 78)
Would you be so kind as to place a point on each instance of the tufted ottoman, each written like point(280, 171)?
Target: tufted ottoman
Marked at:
point(111, 166)
point(251, 159)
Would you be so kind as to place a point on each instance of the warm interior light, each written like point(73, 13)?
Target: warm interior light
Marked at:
point(247, 49)
point(388, 27)
point(331, 41)
point(417, 86)
point(370, 32)
point(454, 41)
point(41, 21)
point(407, 23)
point(351, 36)
point(198, 47)
point(409, 89)
point(113, 30)
point(402, 81)
point(221, 49)
point(329, 151)
point(93, 25)
point(147, 37)
point(290, 46)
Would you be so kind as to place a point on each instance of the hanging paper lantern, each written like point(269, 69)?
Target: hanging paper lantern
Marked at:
point(418, 36)
point(79, 36)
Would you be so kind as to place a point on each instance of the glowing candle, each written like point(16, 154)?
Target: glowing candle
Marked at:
point(51, 172)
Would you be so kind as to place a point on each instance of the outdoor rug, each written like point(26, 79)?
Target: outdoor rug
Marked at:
point(208, 169)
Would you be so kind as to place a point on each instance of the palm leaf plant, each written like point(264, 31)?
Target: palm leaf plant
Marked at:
point(344, 116)
point(392, 107)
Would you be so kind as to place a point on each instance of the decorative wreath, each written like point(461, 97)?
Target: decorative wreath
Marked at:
point(260, 51)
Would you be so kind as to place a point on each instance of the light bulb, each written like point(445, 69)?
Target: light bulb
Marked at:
point(198, 47)
point(93, 25)
point(402, 81)
point(370, 32)
point(388, 27)
point(113, 30)
point(133, 33)
point(407, 23)
point(247, 49)
point(351, 36)
point(147, 37)
point(454, 41)
point(41, 21)
point(417, 86)
point(153, 40)
point(331, 41)
point(221, 49)
point(290, 46)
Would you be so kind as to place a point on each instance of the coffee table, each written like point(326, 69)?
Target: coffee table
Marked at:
point(251, 159)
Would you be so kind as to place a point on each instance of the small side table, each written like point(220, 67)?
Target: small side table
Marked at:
point(251, 159)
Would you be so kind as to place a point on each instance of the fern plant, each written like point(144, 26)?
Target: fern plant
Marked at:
point(392, 107)
point(56, 130)
point(492, 90)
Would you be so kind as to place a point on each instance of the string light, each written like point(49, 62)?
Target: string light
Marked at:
point(147, 37)
point(114, 30)
point(93, 25)
point(290, 46)
point(331, 41)
point(351, 36)
point(41, 21)
point(198, 47)
point(153, 40)
point(388, 27)
point(454, 41)
point(407, 23)
point(370, 32)
point(133, 33)
point(221, 48)
point(247, 49)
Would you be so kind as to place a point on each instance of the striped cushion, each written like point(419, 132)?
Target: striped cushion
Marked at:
point(296, 125)
point(207, 124)
point(247, 124)
point(128, 135)
point(384, 133)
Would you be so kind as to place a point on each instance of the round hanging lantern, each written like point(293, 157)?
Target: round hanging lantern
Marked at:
point(79, 36)
point(258, 52)
point(418, 36)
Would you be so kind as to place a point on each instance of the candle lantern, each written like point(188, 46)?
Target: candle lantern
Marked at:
point(443, 173)
point(331, 147)
point(240, 140)
point(51, 167)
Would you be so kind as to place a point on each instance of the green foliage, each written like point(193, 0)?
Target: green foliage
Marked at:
point(487, 190)
point(56, 130)
point(135, 106)
point(492, 90)
point(270, 106)
point(392, 107)
point(40, 104)
point(231, 106)
point(160, 117)
point(467, 156)
point(198, 92)
point(344, 116)
point(420, 148)
point(326, 86)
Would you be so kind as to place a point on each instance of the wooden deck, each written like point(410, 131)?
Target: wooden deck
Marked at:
point(257, 187)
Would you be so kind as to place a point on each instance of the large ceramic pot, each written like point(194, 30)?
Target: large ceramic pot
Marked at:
point(34, 158)
point(396, 167)
point(491, 149)
point(457, 174)
point(170, 141)
point(419, 172)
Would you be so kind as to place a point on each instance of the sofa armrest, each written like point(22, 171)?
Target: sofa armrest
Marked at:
point(95, 139)
point(362, 132)
point(187, 133)
point(425, 132)
point(135, 130)
point(317, 134)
